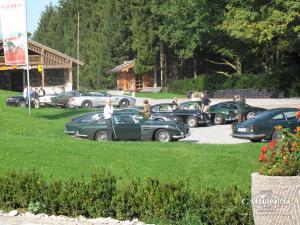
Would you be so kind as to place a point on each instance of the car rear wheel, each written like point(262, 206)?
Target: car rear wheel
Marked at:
point(276, 135)
point(163, 136)
point(86, 104)
point(21, 104)
point(218, 119)
point(124, 103)
point(192, 121)
point(250, 115)
point(101, 135)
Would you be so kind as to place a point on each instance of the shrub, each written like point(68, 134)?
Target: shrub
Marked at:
point(105, 195)
point(282, 158)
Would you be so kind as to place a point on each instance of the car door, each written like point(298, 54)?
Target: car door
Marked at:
point(125, 128)
point(98, 99)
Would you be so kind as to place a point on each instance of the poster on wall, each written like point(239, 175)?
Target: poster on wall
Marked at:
point(13, 31)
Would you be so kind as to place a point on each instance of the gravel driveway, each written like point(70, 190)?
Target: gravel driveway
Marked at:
point(213, 134)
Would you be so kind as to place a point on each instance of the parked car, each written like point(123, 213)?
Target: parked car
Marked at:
point(263, 125)
point(218, 115)
point(18, 101)
point(231, 107)
point(89, 99)
point(71, 127)
point(192, 118)
point(128, 126)
point(46, 100)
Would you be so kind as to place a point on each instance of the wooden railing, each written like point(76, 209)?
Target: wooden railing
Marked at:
point(33, 59)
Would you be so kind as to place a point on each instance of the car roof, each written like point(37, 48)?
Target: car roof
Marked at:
point(282, 109)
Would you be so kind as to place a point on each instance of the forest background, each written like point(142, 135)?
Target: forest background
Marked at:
point(202, 44)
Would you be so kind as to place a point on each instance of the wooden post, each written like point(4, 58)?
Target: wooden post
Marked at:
point(70, 79)
point(43, 71)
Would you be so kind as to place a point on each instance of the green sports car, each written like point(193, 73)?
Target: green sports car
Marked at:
point(224, 111)
point(128, 126)
point(262, 126)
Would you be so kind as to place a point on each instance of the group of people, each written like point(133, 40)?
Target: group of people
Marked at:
point(35, 94)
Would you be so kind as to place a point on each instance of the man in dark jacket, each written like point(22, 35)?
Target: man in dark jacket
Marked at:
point(241, 106)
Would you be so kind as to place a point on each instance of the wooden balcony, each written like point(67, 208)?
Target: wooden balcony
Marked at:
point(33, 60)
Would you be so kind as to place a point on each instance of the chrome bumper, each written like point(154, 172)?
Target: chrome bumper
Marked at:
point(69, 132)
point(248, 136)
point(203, 121)
point(80, 135)
point(182, 135)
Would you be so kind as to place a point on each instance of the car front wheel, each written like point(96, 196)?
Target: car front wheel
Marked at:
point(192, 121)
point(163, 136)
point(101, 135)
point(218, 119)
point(250, 115)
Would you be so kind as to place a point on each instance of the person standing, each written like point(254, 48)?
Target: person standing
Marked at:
point(107, 114)
point(205, 101)
point(241, 106)
point(133, 90)
point(175, 103)
point(25, 92)
point(42, 92)
point(146, 109)
point(36, 98)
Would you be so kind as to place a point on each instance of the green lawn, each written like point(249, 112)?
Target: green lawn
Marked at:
point(37, 142)
point(160, 95)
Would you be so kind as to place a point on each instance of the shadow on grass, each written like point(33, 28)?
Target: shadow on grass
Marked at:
point(65, 114)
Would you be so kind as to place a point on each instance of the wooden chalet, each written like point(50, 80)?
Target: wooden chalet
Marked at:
point(126, 78)
point(56, 69)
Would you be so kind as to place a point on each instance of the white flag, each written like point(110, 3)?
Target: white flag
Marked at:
point(13, 31)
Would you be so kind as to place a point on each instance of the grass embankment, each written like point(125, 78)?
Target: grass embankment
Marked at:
point(37, 142)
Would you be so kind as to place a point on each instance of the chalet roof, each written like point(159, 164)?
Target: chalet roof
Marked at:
point(53, 51)
point(123, 67)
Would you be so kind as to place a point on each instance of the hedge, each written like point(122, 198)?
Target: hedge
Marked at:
point(103, 194)
point(244, 81)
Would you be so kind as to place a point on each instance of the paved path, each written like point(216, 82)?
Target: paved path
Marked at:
point(213, 134)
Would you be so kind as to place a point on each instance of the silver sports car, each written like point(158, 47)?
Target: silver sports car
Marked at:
point(97, 99)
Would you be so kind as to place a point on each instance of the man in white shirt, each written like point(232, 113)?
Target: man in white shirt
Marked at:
point(107, 114)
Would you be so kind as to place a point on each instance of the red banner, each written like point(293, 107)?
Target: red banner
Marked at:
point(13, 31)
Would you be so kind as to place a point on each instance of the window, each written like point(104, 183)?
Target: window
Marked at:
point(278, 117)
point(165, 108)
point(155, 109)
point(290, 115)
point(138, 82)
point(123, 119)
